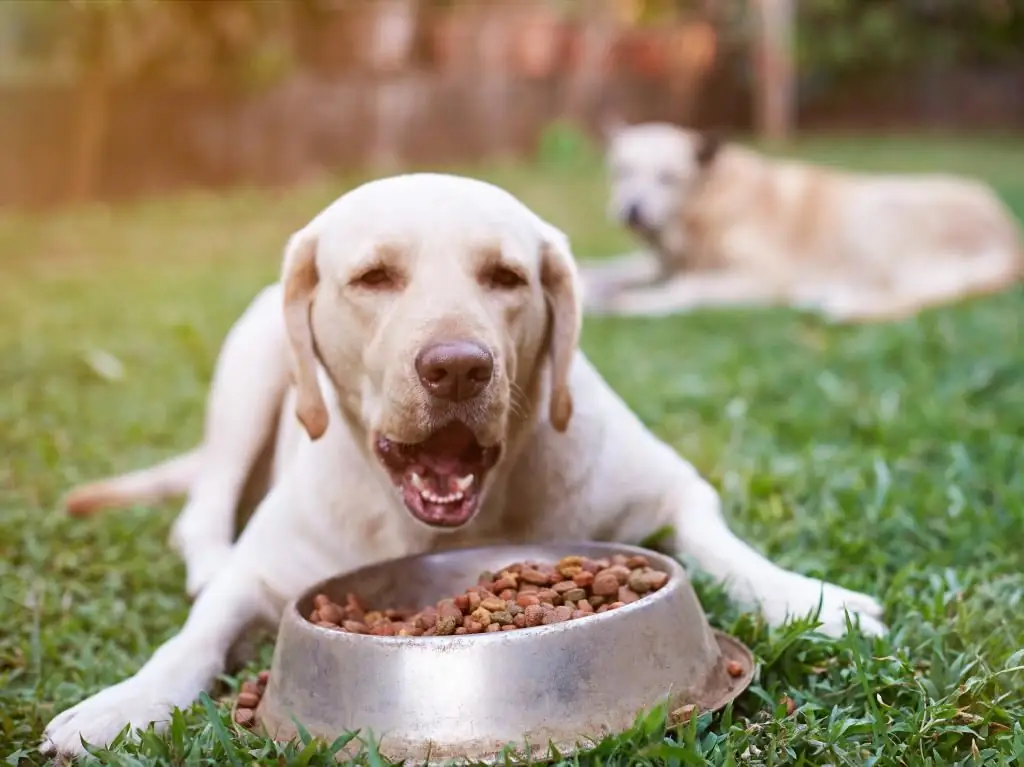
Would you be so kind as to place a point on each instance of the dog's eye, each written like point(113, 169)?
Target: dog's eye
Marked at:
point(503, 277)
point(378, 277)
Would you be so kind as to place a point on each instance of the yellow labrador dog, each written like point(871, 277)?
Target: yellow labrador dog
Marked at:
point(727, 226)
point(417, 368)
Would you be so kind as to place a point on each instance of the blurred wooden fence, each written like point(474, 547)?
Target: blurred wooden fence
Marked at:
point(388, 88)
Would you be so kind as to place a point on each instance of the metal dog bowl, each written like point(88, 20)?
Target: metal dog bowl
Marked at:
point(486, 696)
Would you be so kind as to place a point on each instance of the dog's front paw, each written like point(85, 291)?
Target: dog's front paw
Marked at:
point(796, 596)
point(98, 720)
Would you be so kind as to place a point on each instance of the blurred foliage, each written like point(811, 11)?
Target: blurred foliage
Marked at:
point(177, 41)
point(563, 145)
point(843, 38)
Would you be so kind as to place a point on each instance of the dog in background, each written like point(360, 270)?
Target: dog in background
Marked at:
point(726, 226)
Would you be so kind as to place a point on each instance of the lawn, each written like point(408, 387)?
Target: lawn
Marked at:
point(886, 458)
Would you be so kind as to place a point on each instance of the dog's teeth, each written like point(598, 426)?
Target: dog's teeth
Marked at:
point(418, 483)
point(427, 495)
point(462, 483)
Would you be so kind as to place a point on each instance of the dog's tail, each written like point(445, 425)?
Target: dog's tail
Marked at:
point(150, 485)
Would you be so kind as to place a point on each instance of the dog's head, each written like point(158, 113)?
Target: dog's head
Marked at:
point(433, 303)
point(654, 169)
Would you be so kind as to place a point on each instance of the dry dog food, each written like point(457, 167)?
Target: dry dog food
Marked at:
point(522, 595)
point(249, 698)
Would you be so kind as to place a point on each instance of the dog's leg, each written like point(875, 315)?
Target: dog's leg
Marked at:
point(938, 281)
point(178, 671)
point(603, 279)
point(242, 408)
point(285, 549)
point(146, 486)
point(692, 508)
point(690, 292)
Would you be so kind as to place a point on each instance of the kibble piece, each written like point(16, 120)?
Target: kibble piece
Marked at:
point(502, 618)
point(248, 700)
point(250, 688)
point(245, 716)
point(583, 578)
point(482, 616)
point(493, 604)
point(383, 629)
point(636, 561)
point(605, 584)
point(519, 621)
point(563, 586)
point(326, 625)
point(525, 600)
point(627, 595)
point(616, 605)
point(534, 576)
point(264, 677)
point(447, 608)
point(534, 615)
point(446, 626)
point(504, 583)
point(621, 572)
point(320, 600)
point(574, 595)
point(637, 583)
point(734, 668)
point(356, 627)
point(492, 628)
point(548, 596)
point(332, 613)
point(655, 579)
point(461, 630)
point(683, 714)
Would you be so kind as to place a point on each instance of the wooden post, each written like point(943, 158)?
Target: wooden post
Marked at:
point(775, 106)
point(93, 102)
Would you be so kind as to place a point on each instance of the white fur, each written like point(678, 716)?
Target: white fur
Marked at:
point(332, 508)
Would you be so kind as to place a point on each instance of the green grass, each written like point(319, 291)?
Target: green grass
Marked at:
point(888, 459)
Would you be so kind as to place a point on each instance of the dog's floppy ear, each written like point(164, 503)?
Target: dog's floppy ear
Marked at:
point(708, 145)
point(300, 278)
point(560, 281)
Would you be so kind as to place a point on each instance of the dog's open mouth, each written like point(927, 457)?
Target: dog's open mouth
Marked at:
point(440, 478)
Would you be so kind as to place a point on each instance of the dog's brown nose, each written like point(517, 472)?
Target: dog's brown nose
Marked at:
point(454, 370)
